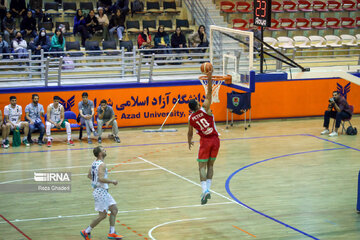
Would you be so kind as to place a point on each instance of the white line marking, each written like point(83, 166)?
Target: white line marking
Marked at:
point(186, 179)
point(87, 166)
point(120, 212)
point(84, 174)
point(166, 223)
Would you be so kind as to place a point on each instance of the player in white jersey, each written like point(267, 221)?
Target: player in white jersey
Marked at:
point(103, 200)
point(4, 132)
point(55, 118)
point(13, 113)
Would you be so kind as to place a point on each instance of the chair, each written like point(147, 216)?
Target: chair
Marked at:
point(333, 41)
point(69, 8)
point(168, 26)
point(243, 7)
point(348, 40)
point(333, 23)
point(357, 22)
point(318, 23)
point(302, 42)
point(110, 45)
point(275, 25)
point(153, 7)
point(240, 24)
point(69, 115)
point(86, 6)
point(286, 43)
point(320, 6)
point(67, 27)
point(357, 38)
point(133, 27)
point(358, 5)
point(184, 24)
point(91, 46)
point(276, 7)
point(303, 23)
point(343, 129)
point(52, 8)
point(317, 41)
point(348, 22)
point(74, 48)
point(48, 27)
point(272, 42)
point(304, 6)
point(151, 24)
point(334, 6)
point(227, 7)
point(287, 24)
point(170, 7)
point(349, 5)
point(290, 6)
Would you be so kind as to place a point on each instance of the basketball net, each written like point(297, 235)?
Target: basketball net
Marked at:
point(216, 84)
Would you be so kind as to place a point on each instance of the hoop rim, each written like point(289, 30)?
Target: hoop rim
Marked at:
point(216, 78)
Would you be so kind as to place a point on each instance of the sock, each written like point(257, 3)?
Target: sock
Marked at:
point(88, 229)
point(112, 229)
point(3, 141)
point(208, 183)
point(203, 186)
point(25, 138)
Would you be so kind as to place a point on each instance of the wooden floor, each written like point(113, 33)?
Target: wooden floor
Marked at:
point(278, 180)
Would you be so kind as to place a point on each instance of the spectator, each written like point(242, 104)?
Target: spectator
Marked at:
point(178, 40)
point(199, 39)
point(104, 23)
point(33, 114)
point(80, 26)
point(18, 8)
point(144, 39)
point(57, 42)
point(20, 46)
point(117, 24)
point(86, 111)
point(28, 25)
point(42, 41)
point(8, 25)
point(123, 5)
point(338, 109)
point(4, 48)
point(36, 6)
point(105, 4)
point(92, 23)
point(3, 5)
point(162, 40)
point(107, 116)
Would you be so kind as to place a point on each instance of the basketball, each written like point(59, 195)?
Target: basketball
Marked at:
point(206, 67)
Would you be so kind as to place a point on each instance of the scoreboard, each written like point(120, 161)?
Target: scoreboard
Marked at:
point(262, 13)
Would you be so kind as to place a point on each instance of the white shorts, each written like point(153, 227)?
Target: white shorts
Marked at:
point(103, 199)
point(16, 125)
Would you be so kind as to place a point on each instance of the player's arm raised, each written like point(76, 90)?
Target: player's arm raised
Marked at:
point(208, 98)
point(190, 136)
point(102, 168)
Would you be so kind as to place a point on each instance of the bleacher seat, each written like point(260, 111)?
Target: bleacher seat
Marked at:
point(348, 40)
point(170, 7)
point(286, 43)
point(333, 41)
point(357, 38)
point(69, 8)
point(320, 6)
point(358, 4)
point(90, 45)
point(303, 23)
point(74, 48)
point(301, 42)
point(153, 7)
point(349, 5)
point(290, 6)
point(305, 6)
point(243, 7)
point(151, 24)
point(52, 8)
point(348, 22)
point(276, 7)
point(240, 24)
point(227, 7)
point(48, 27)
point(109, 45)
point(318, 23)
point(357, 22)
point(272, 42)
point(275, 25)
point(287, 24)
point(133, 27)
point(334, 6)
point(168, 25)
point(87, 6)
point(184, 24)
point(317, 41)
point(333, 23)
point(67, 27)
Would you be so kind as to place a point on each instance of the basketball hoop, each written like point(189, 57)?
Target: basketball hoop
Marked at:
point(216, 84)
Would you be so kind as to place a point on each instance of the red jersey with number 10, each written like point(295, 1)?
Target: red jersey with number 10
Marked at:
point(203, 123)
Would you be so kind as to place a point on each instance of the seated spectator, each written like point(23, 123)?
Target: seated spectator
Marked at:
point(123, 5)
point(57, 42)
point(80, 27)
point(8, 25)
point(2, 9)
point(178, 40)
point(117, 24)
point(42, 41)
point(28, 25)
point(162, 40)
point(105, 4)
point(144, 39)
point(18, 8)
point(92, 23)
point(199, 39)
point(4, 47)
point(36, 6)
point(86, 111)
point(106, 116)
point(33, 113)
point(104, 23)
point(20, 46)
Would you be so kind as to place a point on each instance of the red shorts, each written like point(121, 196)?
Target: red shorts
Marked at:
point(209, 148)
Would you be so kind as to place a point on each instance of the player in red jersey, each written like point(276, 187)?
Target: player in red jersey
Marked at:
point(203, 121)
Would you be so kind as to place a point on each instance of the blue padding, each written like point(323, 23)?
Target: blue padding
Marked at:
point(271, 77)
point(358, 196)
point(357, 74)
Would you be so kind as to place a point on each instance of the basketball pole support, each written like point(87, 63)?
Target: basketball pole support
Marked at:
point(164, 130)
point(262, 51)
point(358, 195)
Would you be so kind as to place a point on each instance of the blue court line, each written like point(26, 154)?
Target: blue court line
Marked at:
point(327, 140)
point(263, 214)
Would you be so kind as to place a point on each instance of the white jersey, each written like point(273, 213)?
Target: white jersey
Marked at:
point(13, 113)
point(55, 113)
point(95, 183)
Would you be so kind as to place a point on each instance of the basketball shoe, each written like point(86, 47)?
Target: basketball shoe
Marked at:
point(86, 236)
point(204, 197)
point(114, 236)
point(70, 142)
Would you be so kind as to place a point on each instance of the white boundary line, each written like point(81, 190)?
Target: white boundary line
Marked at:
point(186, 179)
point(42, 169)
point(120, 212)
point(166, 223)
